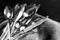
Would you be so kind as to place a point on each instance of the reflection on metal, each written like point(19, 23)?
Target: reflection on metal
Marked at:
point(23, 23)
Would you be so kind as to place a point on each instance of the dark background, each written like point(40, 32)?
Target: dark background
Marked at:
point(48, 7)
